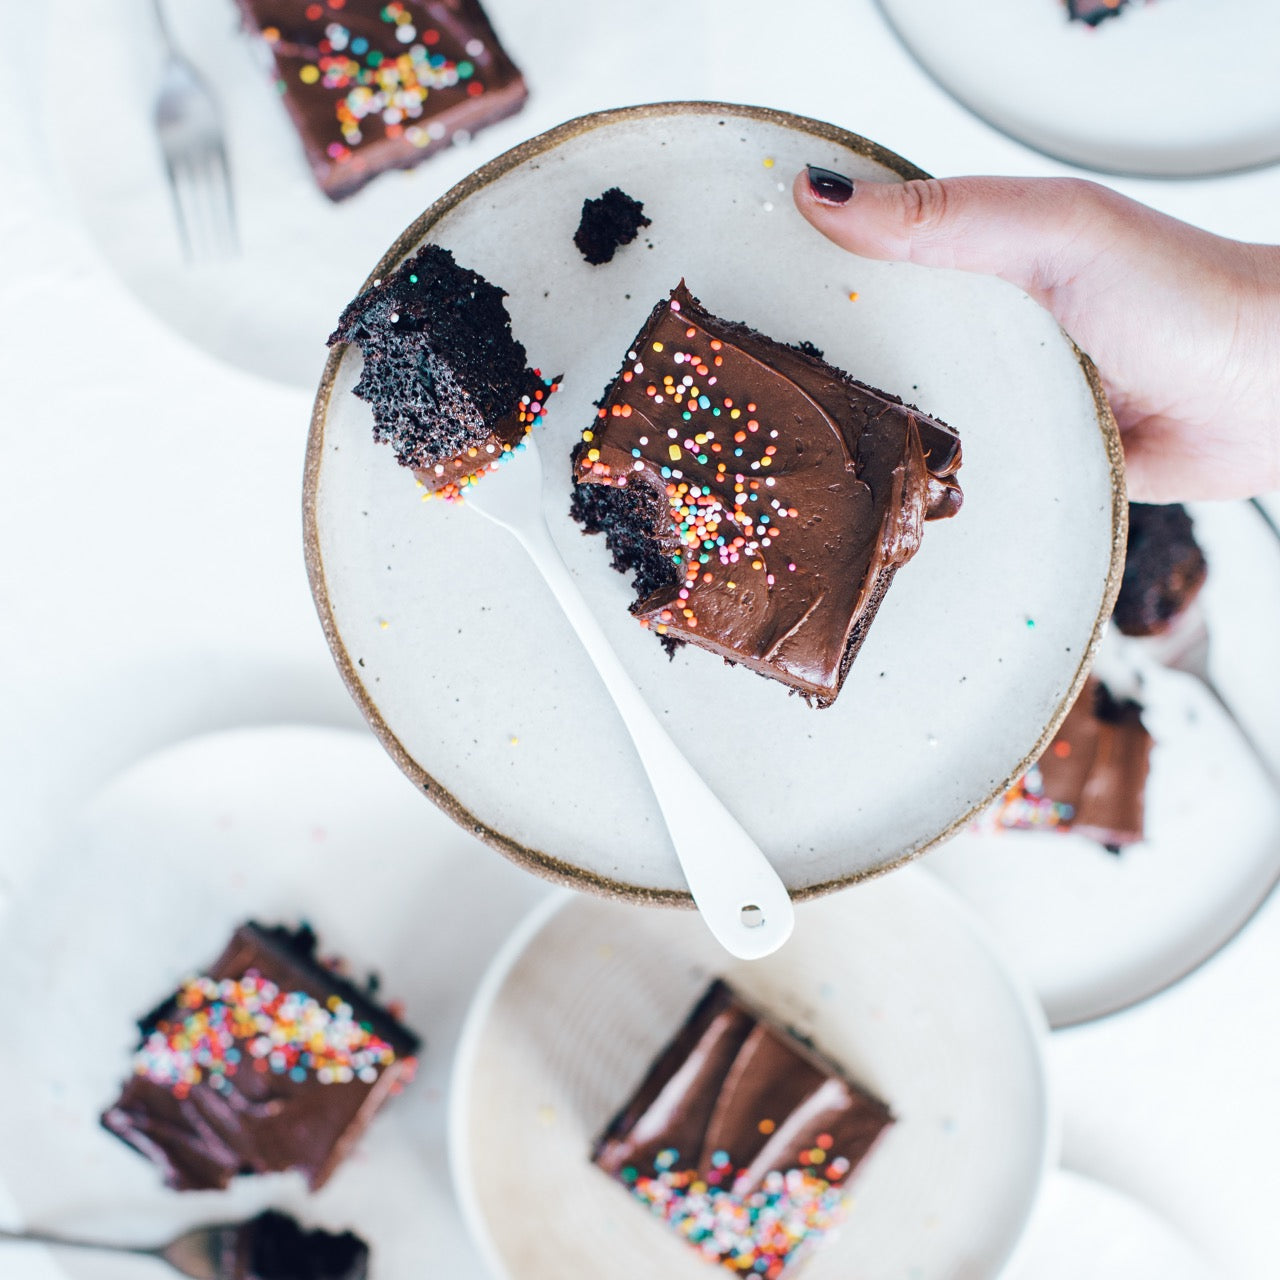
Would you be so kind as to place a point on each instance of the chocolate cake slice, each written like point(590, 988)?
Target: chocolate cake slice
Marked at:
point(1093, 12)
point(448, 383)
point(273, 1246)
point(372, 86)
point(741, 1137)
point(268, 1061)
point(1164, 569)
point(763, 498)
point(1091, 779)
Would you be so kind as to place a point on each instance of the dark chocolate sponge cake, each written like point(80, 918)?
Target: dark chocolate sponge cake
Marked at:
point(372, 86)
point(274, 1247)
point(268, 1061)
point(1164, 569)
point(608, 222)
point(762, 497)
point(450, 389)
point(741, 1138)
point(1092, 777)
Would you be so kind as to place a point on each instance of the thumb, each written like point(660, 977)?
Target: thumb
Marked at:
point(1036, 233)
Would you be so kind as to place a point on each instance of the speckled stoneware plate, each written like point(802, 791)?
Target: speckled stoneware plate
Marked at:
point(1164, 89)
point(1095, 933)
point(895, 982)
point(281, 824)
point(463, 663)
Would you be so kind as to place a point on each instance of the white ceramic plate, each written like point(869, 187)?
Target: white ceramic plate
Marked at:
point(1082, 1228)
point(270, 309)
point(280, 824)
point(892, 979)
point(1093, 932)
point(454, 647)
point(1177, 88)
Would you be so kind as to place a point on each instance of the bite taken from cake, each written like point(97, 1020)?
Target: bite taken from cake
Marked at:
point(762, 498)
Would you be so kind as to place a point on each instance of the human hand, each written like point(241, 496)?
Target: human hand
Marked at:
point(1183, 325)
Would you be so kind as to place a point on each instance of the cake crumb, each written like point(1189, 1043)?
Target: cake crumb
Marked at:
point(607, 223)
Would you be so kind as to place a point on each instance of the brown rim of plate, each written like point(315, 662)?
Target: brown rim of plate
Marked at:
point(544, 864)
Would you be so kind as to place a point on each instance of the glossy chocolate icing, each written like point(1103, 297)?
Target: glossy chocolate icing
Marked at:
point(372, 86)
point(1098, 764)
point(1091, 778)
point(251, 1117)
point(820, 485)
point(738, 1105)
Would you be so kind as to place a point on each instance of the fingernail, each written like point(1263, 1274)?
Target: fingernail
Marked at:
point(828, 186)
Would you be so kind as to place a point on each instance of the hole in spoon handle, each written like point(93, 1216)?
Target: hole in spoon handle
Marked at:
point(751, 927)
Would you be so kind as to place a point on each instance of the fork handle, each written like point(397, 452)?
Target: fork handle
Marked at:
point(740, 895)
point(162, 23)
point(63, 1242)
point(1264, 760)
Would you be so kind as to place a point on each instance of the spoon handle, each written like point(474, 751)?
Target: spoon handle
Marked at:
point(740, 895)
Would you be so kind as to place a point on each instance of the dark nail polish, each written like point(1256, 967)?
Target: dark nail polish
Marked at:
point(828, 186)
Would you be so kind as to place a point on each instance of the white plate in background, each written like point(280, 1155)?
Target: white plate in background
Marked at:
point(279, 824)
point(1082, 1228)
point(1175, 88)
point(894, 980)
point(1095, 932)
point(453, 646)
point(270, 309)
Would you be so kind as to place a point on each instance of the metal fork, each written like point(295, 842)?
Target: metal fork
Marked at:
point(203, 1253)
point(189, 127)
point(1185, 647)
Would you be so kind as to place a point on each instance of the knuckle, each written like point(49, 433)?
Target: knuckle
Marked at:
point(924, 204)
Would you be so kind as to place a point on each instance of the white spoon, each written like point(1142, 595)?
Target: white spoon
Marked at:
point(741, 897)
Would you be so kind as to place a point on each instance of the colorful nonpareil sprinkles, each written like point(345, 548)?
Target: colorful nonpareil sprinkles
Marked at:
point(387, 80)
point(716, 463)
point(250, 1023)
point(1025, 807)
point(756, 1232)
point(480, 460)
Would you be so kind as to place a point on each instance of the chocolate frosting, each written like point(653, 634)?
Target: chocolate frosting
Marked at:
point(794, 491)
point(1091, 778)
point(251, 1117)
point(728, 1070)
point(372, 86)
point(1097, 764)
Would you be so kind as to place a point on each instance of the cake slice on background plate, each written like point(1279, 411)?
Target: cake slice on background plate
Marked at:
point(742, 1138)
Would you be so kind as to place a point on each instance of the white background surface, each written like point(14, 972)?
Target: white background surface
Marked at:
point(151, 580)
